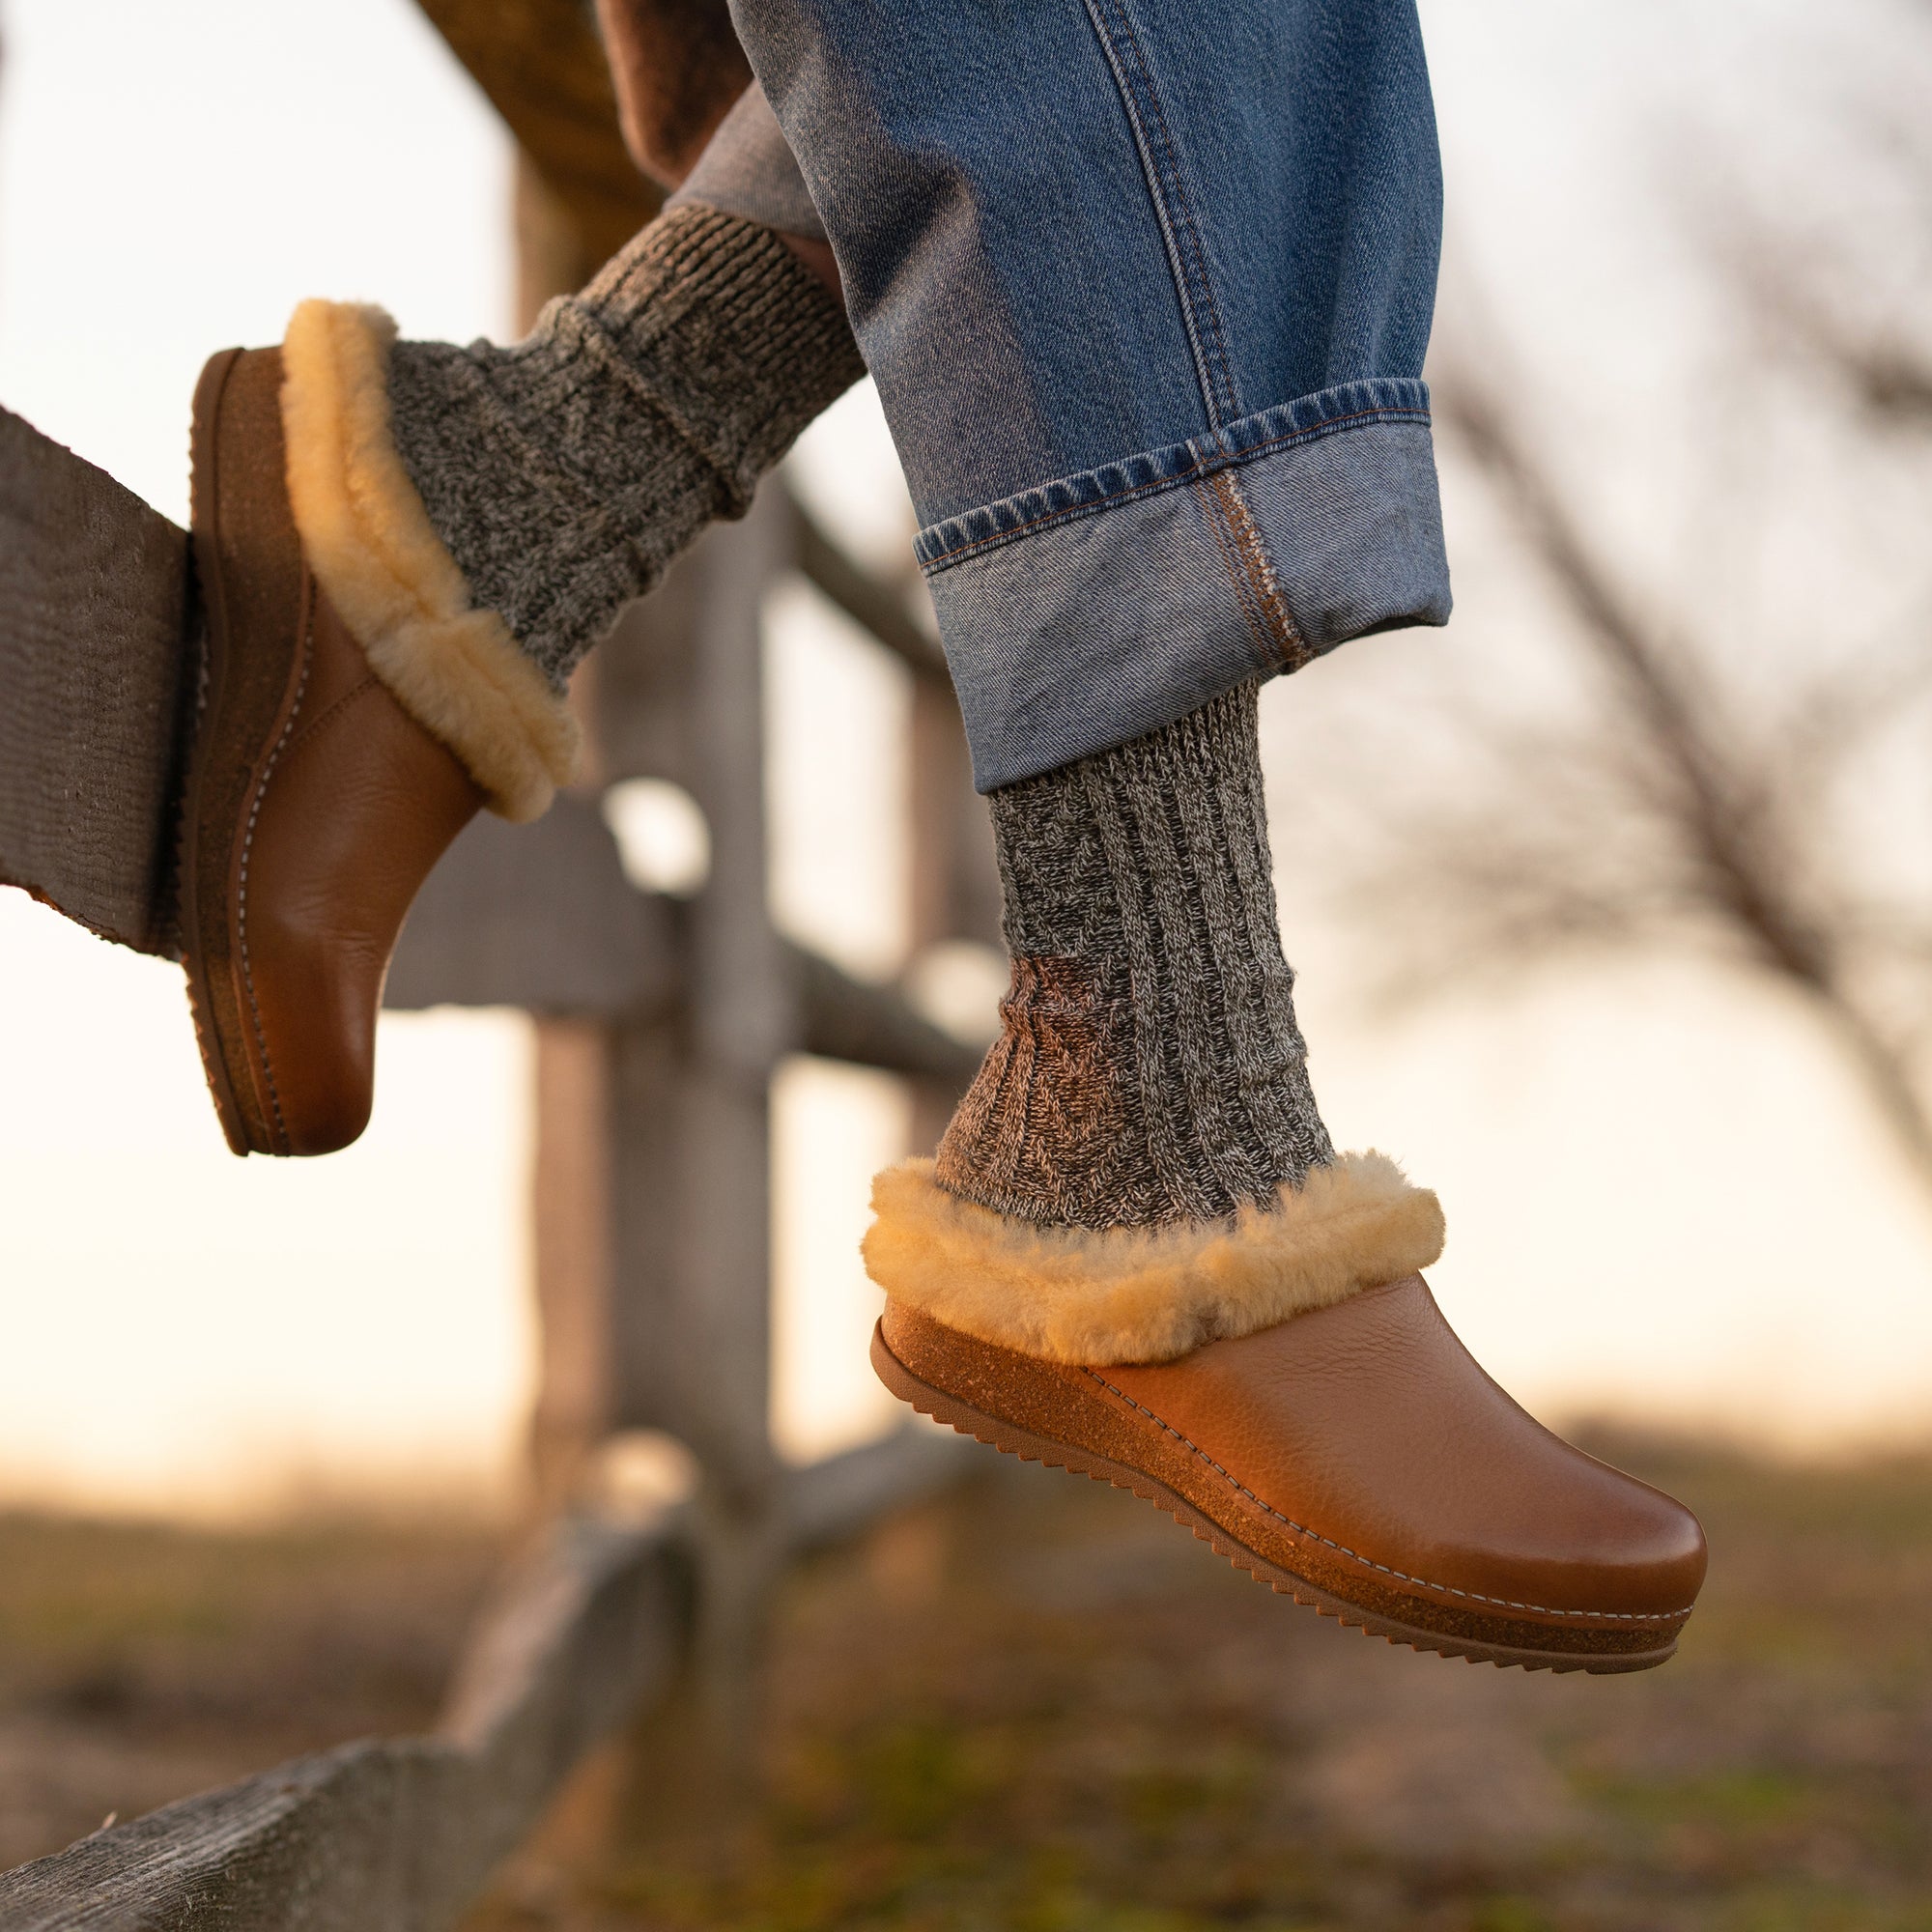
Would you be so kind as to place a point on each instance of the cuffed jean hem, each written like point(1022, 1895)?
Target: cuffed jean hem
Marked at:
point(1084, 612)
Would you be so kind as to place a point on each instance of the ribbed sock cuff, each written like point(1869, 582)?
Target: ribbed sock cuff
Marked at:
point(1148, 1068)
point(564, 473)
point(712, 323)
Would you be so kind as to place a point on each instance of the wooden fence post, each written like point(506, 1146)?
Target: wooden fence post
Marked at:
point(574, 1081)
point(955, 889)
point(652, 1170)
point(576, 1295)
point(691, 1223)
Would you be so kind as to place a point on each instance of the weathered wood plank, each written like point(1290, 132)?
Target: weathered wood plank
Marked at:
point(538, 916)
point(838, 1497)
point(319, 1842)
point(871, 604)
point(580, 1634)
point(395, 1835)
point(640, 692)
point(691, 1226)
point(541, 917)
point(576, 1293)
point(873, 1026)
point(741, 1019)
point(94, 618)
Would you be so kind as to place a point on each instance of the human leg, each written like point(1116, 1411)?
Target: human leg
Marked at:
point(1146, 295)
point(1138, 1256)
point(1150, 1068)
point(562, 473)
point(405, 549)
point(1146, 298)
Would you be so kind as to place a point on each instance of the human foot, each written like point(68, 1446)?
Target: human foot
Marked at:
point(1354, 1456)
point(315, 807)
point(1139, 1256)
point(405, 549)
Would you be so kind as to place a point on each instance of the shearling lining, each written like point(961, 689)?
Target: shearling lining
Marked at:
point(454, 668)
point(1146, 1294)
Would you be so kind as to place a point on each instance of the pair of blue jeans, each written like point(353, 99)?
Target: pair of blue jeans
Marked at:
point(1146, 287)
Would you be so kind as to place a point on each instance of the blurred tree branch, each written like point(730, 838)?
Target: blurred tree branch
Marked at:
point(1732, 815)
point(1887, 372)
point(1683, 804)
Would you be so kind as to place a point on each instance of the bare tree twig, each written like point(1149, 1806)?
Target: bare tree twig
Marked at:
point(1726, 810)
point(1665, 817)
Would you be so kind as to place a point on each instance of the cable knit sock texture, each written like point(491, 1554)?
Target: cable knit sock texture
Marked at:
point(1149, 1068)
point(563, 473)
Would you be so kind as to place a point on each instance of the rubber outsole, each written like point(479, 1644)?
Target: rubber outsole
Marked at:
point(1012, 1440)
point(189, 853)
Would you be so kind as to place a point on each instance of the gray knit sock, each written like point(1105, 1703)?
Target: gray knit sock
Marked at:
point(1148, 1067)
point(564, 473)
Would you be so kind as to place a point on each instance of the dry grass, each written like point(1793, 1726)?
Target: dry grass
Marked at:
point(1043, 1707)
point(139, 1663)
point(1039, 1707)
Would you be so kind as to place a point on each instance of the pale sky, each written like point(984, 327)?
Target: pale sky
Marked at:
point(180, 1330)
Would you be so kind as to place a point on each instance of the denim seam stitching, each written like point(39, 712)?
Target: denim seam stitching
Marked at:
point(1256, 564)
point(1213, 513)
point(1179, 190)
point(1198, 467)
point(1164, 186)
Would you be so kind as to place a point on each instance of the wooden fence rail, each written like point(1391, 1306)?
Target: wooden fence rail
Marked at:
point(93, 679)
point(397, 1835)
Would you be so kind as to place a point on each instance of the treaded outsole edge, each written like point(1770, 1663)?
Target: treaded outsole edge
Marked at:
point(188, 840)
point(213, 1071)
point(243, 1135)
point(1012, 1440)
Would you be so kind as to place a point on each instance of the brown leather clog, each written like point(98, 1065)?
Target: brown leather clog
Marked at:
point(1356, 1458)
point(315, 805)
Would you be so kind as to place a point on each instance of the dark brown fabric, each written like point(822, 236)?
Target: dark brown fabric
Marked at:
point(678, 67)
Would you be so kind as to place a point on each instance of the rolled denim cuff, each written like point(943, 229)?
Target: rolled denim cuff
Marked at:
point(1089, 610)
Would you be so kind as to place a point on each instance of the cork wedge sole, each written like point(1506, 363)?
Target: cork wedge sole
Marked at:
point(1013, 1439)
point(249, 561)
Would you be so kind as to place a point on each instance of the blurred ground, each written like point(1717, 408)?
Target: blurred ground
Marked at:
point(139, 1663)
point(1041, 1707)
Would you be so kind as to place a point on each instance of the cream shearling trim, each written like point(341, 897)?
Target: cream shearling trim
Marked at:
point(1091, 1296)
point(454, 668)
